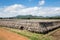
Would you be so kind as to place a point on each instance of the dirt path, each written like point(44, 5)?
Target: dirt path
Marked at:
point(7, 35)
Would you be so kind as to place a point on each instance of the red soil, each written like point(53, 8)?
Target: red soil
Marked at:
point(7, 35)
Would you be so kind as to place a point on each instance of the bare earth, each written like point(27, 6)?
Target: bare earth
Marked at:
point(7, 35)
point(56, 35)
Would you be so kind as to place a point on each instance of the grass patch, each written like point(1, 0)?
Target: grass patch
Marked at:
point(30, 35)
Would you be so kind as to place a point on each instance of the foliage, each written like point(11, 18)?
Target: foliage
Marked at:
point(32, 17)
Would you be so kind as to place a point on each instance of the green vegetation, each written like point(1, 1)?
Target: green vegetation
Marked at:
point(31, 17)
point(30, 35)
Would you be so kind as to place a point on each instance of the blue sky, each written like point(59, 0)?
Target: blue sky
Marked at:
point(23, 2)
point(9, 8)
point(30, 3)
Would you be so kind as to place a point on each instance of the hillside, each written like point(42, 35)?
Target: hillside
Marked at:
point(31, 17)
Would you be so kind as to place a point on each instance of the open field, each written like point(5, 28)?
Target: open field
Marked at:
point(54, 35)
point(32, 36)
point(7, 35)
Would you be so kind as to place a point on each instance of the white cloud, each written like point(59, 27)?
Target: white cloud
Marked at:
point(41, 2)
point(11, 10)
point(50, 11)
point(14, 7)
point(18, 9)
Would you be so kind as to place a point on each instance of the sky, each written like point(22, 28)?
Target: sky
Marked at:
point(10, 8)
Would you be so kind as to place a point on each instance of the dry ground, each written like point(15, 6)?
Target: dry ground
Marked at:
point(56, 34)
point(7, 35)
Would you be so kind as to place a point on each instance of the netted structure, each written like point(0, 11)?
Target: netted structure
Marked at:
point(39, 26)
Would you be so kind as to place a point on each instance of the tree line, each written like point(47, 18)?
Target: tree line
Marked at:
point(31, 17)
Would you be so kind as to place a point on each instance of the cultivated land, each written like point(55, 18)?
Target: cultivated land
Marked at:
point(7, 35)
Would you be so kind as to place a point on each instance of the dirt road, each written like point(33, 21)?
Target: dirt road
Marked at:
point(7, 35)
